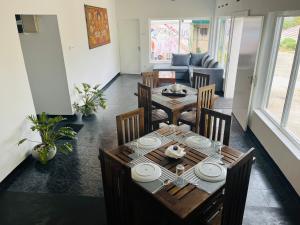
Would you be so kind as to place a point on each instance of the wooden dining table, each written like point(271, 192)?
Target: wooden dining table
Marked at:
point(179, 204)
point(173, 105)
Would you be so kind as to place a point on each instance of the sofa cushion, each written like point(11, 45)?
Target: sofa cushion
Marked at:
point(207, 62)
point(181, 59)
point(196, 59)
point(213, 64)
point(169, 67)
point(205, 57)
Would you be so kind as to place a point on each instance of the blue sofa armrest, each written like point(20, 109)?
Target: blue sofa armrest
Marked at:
point(216, 76)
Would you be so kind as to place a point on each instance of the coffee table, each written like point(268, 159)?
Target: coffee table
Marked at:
point(167, 77)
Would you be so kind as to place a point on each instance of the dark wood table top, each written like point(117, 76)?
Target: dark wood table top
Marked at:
point(174, 103)
point(186, 200)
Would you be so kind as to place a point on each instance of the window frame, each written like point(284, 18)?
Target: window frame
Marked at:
point(210, 30)
point(281, 125)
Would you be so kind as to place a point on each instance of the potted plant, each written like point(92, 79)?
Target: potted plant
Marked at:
point(91, 98)
point(50, 133)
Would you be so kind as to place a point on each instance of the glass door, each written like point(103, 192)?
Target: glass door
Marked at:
point(223, 42)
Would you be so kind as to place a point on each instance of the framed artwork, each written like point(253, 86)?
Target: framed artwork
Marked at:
point(97, 26)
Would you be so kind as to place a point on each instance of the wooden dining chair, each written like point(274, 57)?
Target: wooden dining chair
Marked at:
point(235, 194)
point(205, 99)
point(215, 125)
point(117, 183)
point(130, 126)
point(153, 117)
point(150, 79)
point(200, 80)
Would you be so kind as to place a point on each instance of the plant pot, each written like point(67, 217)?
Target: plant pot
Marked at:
point(50, 155)
point(91, 116)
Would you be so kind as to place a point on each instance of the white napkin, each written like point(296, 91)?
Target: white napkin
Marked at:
point(176, 154)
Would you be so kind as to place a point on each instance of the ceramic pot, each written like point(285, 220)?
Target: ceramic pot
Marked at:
point(50, 155)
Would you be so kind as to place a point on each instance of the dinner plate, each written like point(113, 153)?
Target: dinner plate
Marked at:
point(149, 142)
point(145, 172)
point(210, 171)
point(198, 142)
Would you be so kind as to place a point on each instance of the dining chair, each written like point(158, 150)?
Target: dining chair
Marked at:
point(150, 79)
point(200, 80)
point(235, 193)
point(205, 99)
point(117, 183)
point(153, 117)
point(130, 126)
point(215, 125)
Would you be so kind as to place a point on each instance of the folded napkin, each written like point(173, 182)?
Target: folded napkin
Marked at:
point(176, 154)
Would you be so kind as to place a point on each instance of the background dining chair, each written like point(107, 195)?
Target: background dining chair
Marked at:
point(205, 99)
point(236, 188)
point(150, 79)
point(130, 126)
point(116, 179)
point(200, 80)
point(153, 117)
point(215, 125)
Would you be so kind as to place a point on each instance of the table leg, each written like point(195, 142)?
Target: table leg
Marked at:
point(174, 116)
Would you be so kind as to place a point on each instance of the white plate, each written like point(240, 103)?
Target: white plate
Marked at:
point(145, 172)
point(198, 142)
point(210, 171)
point(149, 142)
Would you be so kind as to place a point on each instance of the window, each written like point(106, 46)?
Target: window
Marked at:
point(178, 36)
point(283, 96)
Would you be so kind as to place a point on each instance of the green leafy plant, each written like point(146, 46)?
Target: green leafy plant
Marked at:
point(47, 127)
point(91, 98)
point(288, 44)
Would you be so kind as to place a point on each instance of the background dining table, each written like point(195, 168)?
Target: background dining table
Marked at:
point(174, 105)
point(180, 204)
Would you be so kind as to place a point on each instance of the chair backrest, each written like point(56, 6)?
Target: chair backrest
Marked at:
point(205, 99)
point(236, 188)
point(150, 79)
point(200, 80)
point(145, 101)
point(116, 179)
point(130, 126)
point(215, 125)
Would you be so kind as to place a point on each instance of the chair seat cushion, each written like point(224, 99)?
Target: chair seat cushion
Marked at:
point(188, 117)
point(159, 115)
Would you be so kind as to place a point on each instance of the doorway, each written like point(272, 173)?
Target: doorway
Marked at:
point(129, 39)
point(43, 56)
point(237, 47)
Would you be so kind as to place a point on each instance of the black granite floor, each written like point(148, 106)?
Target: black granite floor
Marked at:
point(69, 189)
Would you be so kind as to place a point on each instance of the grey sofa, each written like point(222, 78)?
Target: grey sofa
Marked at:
point(186, 64)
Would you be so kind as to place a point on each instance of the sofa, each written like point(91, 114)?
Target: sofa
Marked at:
point(186, 64)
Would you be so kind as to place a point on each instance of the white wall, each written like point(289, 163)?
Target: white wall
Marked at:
point(283, 153)
point(98, 65)
point(160, 9)
point(45, 68)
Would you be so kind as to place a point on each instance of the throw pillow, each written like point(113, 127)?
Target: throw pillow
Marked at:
point(213, 64)
point(205, 57)
point(196, 59)
point(181, 59)
point(207, 61)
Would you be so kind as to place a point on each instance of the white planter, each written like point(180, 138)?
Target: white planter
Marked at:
point(50, 155)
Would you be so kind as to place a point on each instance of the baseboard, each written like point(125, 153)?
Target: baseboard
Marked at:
point(110, 82)
point(269, 158)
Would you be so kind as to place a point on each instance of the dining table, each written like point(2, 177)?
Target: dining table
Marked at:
point(174, 105)
point(164, 198)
